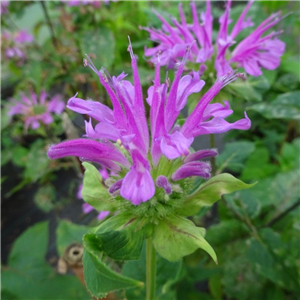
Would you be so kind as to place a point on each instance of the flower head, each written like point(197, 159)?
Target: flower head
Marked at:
point(35, 110)
point(3, 7)
point(14, 44)
point(149, 164)
point(252, 53)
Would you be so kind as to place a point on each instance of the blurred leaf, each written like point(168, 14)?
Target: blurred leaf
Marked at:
point(234, 155)
point(5, 118)
point(29, 276)
point(99, 44)
point(289, 157)
point(267, 261)
point(45, 197)
point(19, 156)
point(286, 82)
point(285, 106)
point(225, 232)
point(291, 64)
point(258, 166)
point(68, 233)
point(37, 161)
point(167, 274)
point(251, 89)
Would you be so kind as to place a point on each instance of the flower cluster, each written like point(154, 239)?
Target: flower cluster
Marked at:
point(146, 164)
point(13, 44)
point(94, 3)
point(36, 109)
point(252, 53)
point(86, 208)
point(4, 7)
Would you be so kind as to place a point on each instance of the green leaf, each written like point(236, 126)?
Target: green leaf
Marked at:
point(100, 45)
point(268, 256)
point(120, 237)
point(68, 233)
point(167, 274)
point(37, 161)
point(285, 106)
point(45, 197)
point(234, 156)
point(176, 237)
point(19, 156)
point(29, 276)
point(93, 192)
point(250, 89)
point(100, 279)
point(211, 191)
point(225, 232)
point(33, 241)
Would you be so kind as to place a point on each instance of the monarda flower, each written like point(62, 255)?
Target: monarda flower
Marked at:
point(4, 7)
point(35, 110)
point(152, 166)
point(13, 45)
point(252, 53)
point(149, 164)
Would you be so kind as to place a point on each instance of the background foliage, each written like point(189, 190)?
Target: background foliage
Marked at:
point(254, 232)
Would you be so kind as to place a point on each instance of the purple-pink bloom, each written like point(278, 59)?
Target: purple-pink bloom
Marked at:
point(13, 44)
point(3, 7)
point(252, 53)
point(36, 110)
point(121, 140)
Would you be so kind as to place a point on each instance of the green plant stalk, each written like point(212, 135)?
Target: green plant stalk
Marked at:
point(150, 270)
point(212, 159)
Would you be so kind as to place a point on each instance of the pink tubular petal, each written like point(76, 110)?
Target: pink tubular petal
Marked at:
point(238, 27)
point(102, 130)
point(138, 185)
point(219, 125)
point(96, 110)
point(187, 85)
point(175, 145)
point(90, 150)
point(217, 110)
point(86, 208)
point(140, 119)
point(200, 155)
point(56, 105)
point(201, 169)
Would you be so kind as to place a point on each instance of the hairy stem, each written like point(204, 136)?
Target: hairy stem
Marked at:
point(150, 270)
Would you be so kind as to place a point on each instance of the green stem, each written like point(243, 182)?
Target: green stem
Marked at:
point(150, 270)
point(212, 159)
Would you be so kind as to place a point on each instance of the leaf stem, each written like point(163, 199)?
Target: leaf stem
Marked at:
point(150, 270)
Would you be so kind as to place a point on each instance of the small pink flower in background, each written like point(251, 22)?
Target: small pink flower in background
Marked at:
point(95, 3)
point(252, 53)
point(3, 7)
point(86, 208)
point(13, 44)
point(36, 110)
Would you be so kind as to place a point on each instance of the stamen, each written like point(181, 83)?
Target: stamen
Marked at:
point(130, 49)
point(107, 77)
point(88, 63)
